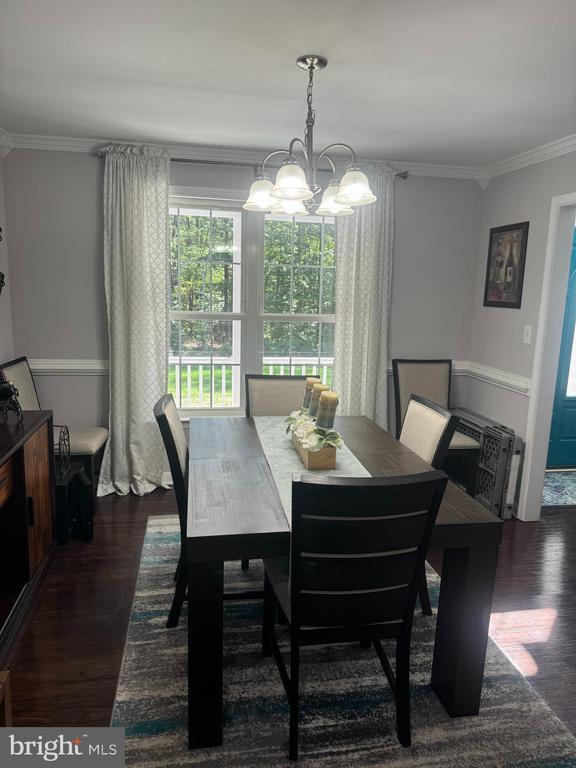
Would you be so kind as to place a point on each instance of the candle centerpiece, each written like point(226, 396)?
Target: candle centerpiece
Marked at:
point(312, 427)
point(310, 381)
point(317, 390)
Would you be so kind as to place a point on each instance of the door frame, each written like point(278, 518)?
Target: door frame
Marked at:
point(547, 352)
point(562, 457)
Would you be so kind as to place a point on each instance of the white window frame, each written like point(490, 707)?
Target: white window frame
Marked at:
point(188, 197)
point(290, 318)
point(252, 289)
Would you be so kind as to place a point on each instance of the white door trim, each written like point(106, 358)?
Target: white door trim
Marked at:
point(547, 352)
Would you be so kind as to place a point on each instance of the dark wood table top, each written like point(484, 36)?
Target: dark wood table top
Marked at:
point(14, 433)
point(233, 504)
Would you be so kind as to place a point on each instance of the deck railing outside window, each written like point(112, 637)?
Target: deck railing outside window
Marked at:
point(196, 382)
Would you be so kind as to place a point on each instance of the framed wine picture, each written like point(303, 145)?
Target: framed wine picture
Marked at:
point(505, 268)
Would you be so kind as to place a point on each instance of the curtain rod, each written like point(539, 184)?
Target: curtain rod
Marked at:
point(244, 164)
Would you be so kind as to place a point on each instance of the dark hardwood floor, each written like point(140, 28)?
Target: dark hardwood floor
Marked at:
point(66, 666)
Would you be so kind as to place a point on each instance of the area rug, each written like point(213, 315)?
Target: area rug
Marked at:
point(559, 489)
point(348, 716)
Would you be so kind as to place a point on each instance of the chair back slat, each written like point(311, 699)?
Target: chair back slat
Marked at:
point(356, 535)
point(358, 545)
point(371, 571)
point(273, 395)
point(345, 609)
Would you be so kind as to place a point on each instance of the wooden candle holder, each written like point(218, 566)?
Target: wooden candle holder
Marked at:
point(325, 458)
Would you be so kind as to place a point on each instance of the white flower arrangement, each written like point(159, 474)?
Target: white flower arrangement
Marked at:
point(310, 437)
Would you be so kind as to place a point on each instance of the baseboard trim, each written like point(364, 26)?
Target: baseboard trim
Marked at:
point(488, 375)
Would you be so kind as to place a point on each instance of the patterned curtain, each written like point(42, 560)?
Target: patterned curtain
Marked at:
point(364, 245)
point(136, 185)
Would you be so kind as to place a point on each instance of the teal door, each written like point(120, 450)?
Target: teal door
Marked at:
point(562, 447)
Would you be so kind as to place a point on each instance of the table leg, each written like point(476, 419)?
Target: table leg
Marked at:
point(205, 597)
point(462, 627)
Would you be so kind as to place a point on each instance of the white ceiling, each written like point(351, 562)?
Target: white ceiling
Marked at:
point(463, 82)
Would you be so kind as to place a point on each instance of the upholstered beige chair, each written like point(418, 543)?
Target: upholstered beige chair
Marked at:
point(427, 430)
point(432, 379)
point(86, 444)
point(273, 395)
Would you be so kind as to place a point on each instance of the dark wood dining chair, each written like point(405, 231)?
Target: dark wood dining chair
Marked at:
point(432, 379)
point(357, 548)
point(427, 430)
point(176, 446)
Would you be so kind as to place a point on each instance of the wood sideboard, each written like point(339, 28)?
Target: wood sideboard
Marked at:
point(26, 517)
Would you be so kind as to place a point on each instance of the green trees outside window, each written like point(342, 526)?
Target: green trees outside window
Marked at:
point(206, 308)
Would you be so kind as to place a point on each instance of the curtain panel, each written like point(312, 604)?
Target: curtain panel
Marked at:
point(364, 245)
point(136, 186)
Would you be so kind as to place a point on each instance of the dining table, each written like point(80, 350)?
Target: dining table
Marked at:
point(235, 513)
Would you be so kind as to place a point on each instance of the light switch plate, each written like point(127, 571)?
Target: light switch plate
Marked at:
point(527, 335)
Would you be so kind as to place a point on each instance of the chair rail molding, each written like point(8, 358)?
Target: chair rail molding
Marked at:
point(6, 143)
point(60, 367)
point(495, 376)
point(499, 378)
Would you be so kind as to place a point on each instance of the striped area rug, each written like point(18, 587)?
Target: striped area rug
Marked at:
point(348, 714)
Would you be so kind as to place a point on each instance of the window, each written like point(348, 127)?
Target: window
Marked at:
point(298, 317)
point(268, 306)
point(205, 310)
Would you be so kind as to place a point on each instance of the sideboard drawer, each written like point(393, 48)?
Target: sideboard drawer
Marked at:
point(6, 482)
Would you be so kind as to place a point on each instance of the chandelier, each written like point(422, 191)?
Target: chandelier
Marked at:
point(295, 190)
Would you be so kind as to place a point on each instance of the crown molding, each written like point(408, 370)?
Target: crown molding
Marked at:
point(537, 155)
point(191, 152)
point(57, 143)
point(6, 143)
point(470, 172)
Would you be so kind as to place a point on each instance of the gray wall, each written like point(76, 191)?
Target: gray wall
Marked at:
point(6, 335)
point(54, 217)
point(54, 213)
point(437, 226)
point(496, 334)
point(59, 312)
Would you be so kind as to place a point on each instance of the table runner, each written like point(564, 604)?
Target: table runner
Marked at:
point(285, 462)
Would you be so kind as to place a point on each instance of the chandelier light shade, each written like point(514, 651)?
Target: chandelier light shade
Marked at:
point(355, 189)
point(289, 208)
point(291, 183)
point(296, 191)
point(329, 206)
point(259, 197)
